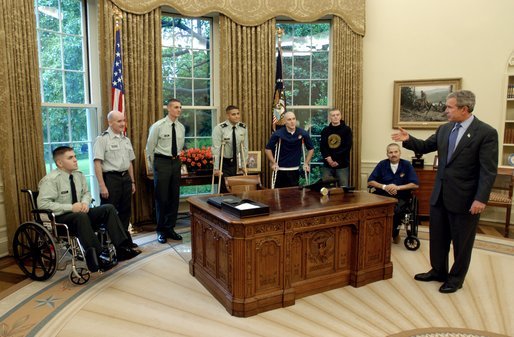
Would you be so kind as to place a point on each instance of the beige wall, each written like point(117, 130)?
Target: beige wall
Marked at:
point(411, 39)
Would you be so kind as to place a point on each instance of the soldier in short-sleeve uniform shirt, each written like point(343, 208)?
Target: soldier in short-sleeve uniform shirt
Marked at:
point(113, 156)
point(166, 168)
point(232, 158)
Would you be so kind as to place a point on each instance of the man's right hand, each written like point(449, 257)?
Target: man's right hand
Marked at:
point(79, 207)
point(104, 192)
point(400, 136)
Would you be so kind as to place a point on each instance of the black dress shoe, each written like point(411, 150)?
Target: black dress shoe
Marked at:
point(161, 237)
point(133, 245)
point(448, 288)
point(174, 235)
point(430, 276)
point(126, 253)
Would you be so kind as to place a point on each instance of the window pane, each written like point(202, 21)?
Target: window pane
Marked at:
point(72, 17)
point(302, 39)
point(59, 131)
point(188, 119)
point(319, 93)
point(79, 125)
point(302, 118)
point(319, 65)
point(73, 53)
point(287, 66)
point(74, 87)
point(321, 36)
point(201, 34)
point(203, 123)
point(302, 67)
point(184, 63)
point(183, 32)
point(301, 92)
point(202, 64)
point(45, 118)
point(48, 14)
point(51, 82)
point(319, 119)
point(49, 162)
point(202, 92)
point(184, 90)
point(50, 50)
point(317, 157)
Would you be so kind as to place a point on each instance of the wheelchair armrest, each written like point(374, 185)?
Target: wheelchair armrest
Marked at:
point(48, 212)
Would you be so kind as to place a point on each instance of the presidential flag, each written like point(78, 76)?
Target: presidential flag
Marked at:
point(279, 100)
point(118, 92)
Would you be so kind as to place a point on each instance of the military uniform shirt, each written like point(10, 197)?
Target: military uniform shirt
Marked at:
point(115, 151)
point(224, 131)
point(159, 138)
point(55, 191)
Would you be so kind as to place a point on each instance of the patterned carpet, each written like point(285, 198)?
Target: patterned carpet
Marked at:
point(154, 295)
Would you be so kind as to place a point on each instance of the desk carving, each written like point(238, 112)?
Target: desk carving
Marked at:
point(258, 264)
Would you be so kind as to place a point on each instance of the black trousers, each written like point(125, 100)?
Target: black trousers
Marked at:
point(287, 178)
point(229, 170)
point(120, 193)
point(83, 226)
point(457, 228)
point(167, 192)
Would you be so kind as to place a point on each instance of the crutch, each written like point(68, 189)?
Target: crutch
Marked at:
point(307, 174)
point(221, 167)
point(243, 158)
point(277, 157)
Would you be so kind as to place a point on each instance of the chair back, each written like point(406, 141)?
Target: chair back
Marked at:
point(33, 203)
point(237, 184)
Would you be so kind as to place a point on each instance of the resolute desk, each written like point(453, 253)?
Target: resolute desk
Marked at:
point(306, 245)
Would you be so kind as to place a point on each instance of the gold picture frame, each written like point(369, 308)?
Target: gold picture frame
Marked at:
point(254, 162)
point(420, 104)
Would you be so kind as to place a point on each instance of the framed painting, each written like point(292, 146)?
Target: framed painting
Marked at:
point(254, 161)
point(420, 104)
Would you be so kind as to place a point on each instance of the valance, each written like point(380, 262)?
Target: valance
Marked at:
point(256, 12)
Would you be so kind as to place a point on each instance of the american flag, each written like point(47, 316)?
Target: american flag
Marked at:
point(279, 100)
point(118, 92)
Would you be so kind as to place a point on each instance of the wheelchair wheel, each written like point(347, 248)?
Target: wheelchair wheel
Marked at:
point(411, 243)
point(80, 276)
point(34, 251)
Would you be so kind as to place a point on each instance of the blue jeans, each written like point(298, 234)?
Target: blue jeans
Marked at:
point(340, 174)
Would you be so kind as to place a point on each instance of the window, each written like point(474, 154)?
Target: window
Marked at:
point(68, 117)
point(187, 76)
point(305, 57)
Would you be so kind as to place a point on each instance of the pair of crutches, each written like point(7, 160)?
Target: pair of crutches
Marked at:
point(222, 151)
point(276, 159)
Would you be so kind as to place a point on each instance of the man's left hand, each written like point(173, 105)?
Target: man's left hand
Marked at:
point(477, 207)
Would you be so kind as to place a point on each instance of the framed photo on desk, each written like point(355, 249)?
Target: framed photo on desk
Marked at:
point(254, 161)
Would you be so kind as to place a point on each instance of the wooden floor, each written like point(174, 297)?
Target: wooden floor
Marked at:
point(12, 276)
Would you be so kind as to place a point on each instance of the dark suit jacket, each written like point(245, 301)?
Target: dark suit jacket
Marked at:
point(470, 173)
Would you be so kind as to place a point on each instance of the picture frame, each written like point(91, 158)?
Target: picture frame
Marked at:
point(420, 104)
point(254, 162)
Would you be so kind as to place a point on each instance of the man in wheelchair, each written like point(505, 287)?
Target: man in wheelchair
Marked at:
point(64, 191)
point(394, 177)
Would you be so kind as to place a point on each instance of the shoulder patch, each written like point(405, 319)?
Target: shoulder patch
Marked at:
point(104, 133)
point(243, 125)
point(224, 125)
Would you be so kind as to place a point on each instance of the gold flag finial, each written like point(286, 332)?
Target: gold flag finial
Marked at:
point(118, 17)
point(280, 31)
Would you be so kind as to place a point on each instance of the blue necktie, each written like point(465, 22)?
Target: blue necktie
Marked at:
point(452, 141)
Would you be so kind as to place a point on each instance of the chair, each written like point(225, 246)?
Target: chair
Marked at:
point(501, 193)
point(237, 184)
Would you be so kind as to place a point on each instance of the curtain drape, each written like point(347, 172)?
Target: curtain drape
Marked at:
point(21, 138)
point(247, 56)
point(142, 72)
point(347, 86)
point(256, 12)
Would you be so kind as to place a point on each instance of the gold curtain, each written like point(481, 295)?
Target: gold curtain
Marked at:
point(256, 12)
point(142, 72)
point(21, 145)
point(347, 86)
point(247, 78)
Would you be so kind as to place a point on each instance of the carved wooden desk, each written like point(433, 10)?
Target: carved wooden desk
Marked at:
point(306, 245)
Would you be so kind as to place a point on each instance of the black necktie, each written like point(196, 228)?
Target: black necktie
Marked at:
point(234, 145)
point(73, 190)
point(452, 141)
point(173, 141)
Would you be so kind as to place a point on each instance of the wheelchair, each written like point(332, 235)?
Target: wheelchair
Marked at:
point(407, 213)
point(409, 220)
point(43, 246)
